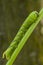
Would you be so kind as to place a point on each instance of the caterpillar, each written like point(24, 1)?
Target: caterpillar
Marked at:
point(27, 23)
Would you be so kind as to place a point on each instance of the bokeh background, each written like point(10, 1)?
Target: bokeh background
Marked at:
point(12, 15)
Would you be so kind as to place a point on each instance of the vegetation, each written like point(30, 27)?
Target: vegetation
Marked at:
point(23, 40)
point(12, 15)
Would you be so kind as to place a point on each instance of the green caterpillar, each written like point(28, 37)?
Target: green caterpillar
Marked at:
point(27, 23)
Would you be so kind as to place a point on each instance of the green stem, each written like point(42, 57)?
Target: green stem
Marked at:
point(24, 39)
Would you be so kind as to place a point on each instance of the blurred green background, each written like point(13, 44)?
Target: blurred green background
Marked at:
point(12, 15)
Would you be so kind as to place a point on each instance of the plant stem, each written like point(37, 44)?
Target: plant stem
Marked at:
point(24, 39)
